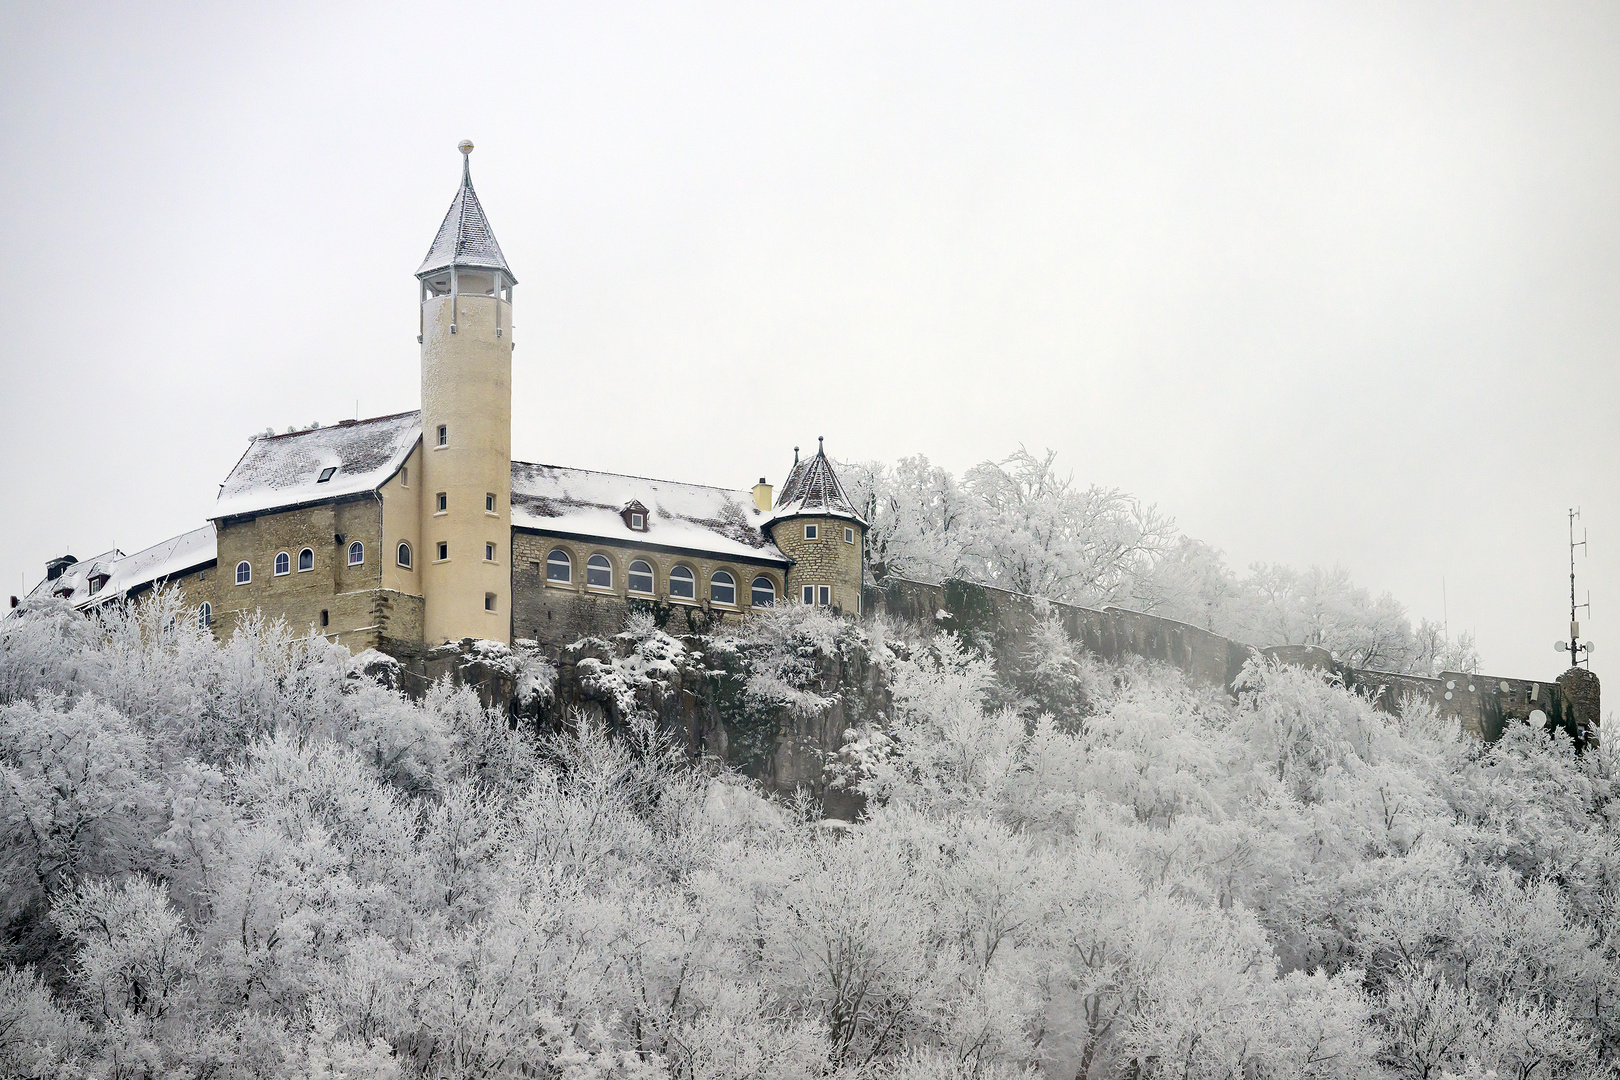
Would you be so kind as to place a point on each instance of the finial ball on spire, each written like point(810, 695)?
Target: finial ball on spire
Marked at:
point(465, 146)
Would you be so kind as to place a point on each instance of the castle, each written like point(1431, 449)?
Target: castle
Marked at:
point(408, 531)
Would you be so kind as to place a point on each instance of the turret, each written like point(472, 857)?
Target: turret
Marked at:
point(816, 526)
point(466, 338)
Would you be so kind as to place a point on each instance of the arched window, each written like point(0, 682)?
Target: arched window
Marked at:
point(402, 555)
point(357, 553)
point(682, 584)
point(283, 563)
point(244, 573)
point(764, 592)
point(559, 567)
point(598, 572)
point(723, 588)
point(306, 560)
point(640, 577)
point(205, 616)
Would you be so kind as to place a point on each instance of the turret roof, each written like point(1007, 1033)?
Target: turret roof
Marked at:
point(465, 239)
point(812, 489)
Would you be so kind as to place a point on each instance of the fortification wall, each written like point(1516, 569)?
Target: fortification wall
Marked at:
point(1005, 622)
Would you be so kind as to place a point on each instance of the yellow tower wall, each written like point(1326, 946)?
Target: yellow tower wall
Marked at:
point(467, 387)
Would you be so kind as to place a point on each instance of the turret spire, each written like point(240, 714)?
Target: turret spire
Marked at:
point(465, 240)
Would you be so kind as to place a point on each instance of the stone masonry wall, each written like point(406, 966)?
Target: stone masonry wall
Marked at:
point(1003, 621)
point(557, 614)
point(827, 560)
point(359, 613)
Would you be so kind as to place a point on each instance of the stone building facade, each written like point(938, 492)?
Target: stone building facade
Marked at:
point(408, 531)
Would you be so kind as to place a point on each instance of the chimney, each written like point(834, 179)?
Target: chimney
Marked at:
point(762, 495)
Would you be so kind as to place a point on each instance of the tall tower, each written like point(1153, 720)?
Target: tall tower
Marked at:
point(466, 337)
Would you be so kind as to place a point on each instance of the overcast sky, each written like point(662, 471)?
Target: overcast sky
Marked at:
point(1327, 283)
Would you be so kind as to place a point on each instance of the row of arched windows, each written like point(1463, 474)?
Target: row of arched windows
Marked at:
point(641, 580)
point(282, 564)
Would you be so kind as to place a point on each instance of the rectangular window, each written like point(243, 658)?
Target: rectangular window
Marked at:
point(812, 532)
point(404, 476)
point(325, 619)
point(444, 551)
point(637, 521)
point(441, 502)
point(809, 594)
point(489, 503)
point(444, 435)
point(823, 595)
point(489, 601)
point(489, 552)
point(326, 474)
point(849, 535)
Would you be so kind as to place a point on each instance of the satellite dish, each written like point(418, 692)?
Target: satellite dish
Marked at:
point(1560, 646)
point(1589, 647)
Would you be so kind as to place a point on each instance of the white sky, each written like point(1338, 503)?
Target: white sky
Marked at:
point(1327, 283)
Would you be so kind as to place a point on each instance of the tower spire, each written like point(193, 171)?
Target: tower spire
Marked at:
point(465, 240)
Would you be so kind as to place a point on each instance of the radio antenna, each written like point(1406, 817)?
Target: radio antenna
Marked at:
point(1575, 646)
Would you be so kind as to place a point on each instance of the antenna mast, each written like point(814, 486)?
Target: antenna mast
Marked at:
point(1574, 645)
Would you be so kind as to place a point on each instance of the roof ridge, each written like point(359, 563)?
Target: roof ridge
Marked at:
point(340, 424)
point(629, 476)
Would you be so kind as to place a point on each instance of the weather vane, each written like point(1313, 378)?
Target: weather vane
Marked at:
point(1574, 646)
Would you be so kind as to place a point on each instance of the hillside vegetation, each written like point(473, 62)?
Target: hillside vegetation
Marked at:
point(249, 859)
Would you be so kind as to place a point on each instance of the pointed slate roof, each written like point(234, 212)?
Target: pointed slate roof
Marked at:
point(465, 239)
point(812, 489)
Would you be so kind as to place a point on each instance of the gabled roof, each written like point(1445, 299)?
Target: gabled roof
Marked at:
point(716, 522)
point(812, 490)
point(282, 471)
point(465, 239)
point(149, 567)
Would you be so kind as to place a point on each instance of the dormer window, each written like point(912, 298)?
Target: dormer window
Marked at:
point(96, 582)
point(326, 474)
point(634, 515)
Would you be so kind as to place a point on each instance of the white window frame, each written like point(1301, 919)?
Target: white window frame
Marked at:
point(807, 594)
point(595, 555)
point(849, 534)
point(444, 436)
point(281, 559)
point(409, 562)
point(489, 503)
point(302, 569)
point(631, 573)
point(638, 522)
point(568, 561)
point(753, 587)
point(823, 595)
point(690, 579)
point(441, 503)
point(812, 532)
point(205, 616)
point(489, 551)
point(361, 548)
point(723, 603)
point(244, 572)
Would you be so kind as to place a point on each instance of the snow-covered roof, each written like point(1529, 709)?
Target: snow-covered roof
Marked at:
point(712, 521)
point(465, 238)
point(281, 471)
point(125, 573)
point(812, 489)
